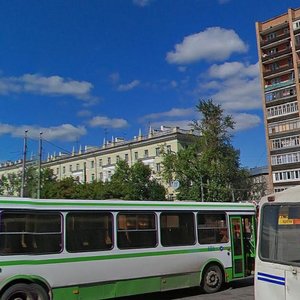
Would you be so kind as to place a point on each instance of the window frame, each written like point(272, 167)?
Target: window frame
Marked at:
point(136, 213)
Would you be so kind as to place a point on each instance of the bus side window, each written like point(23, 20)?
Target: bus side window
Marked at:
point(88, 231)
point(177, 229)
point(212, 228)
point(136, 230)
point(30, 232)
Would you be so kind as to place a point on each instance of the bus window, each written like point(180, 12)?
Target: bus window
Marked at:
point(88, 231)
point(177, 229)
point(30, 232)
point(136, 230)
point(280, 233)
point(212, 228)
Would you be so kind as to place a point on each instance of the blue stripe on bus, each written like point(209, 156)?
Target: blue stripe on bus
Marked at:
point(270, 276)
point(271, 280)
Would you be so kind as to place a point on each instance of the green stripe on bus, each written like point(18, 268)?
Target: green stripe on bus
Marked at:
point(137, 204)
point(107, 257)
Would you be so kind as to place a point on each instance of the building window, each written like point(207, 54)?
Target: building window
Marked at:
point(157, 151)
point(158, 167)
point(77, 167)
point(100, 162)
point(146, 153)
point(271, 36)
point(126, 157)
point(286, 176)
point(281, 110)
point(118, 158)
point(93, 177)
point(64, 170)
point(136, 155)
point(57, 170)
point(70, 168)
point(109, 161)
point(92, 164)
point(169, 149)
point(101, 176)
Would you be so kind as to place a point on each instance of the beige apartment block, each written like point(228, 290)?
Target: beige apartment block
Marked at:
point(99, 163)
point(278, 42)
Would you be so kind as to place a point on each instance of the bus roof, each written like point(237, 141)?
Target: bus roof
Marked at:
point(289, 195)
point(114, 204)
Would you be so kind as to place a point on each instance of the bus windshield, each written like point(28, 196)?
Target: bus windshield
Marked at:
point(280, 233)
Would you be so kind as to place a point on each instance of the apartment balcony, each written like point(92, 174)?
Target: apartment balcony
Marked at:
point(279, 85)
point(282, 70)
point(275, 39)
point(280, 54)
point(281, 100)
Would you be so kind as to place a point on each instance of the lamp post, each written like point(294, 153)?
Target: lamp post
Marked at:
point(24, 163)
point(39, 167)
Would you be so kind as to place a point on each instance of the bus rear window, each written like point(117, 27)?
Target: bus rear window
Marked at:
point(30, 233)
point(280, 233)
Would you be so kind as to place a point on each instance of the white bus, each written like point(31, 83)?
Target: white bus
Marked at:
point(88, 250)
point(277, 266)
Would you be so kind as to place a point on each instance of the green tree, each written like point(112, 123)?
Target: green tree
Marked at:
point(10, 185)
point(135, 183)
point(209, 168)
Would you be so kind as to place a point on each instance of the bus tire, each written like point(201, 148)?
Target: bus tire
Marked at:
point(19, 291)
point(212, 280)
point(38, 292)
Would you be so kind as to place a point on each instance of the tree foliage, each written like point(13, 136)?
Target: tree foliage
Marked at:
point(208, 169)
point(130, 183)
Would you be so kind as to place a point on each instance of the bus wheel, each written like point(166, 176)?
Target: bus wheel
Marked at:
point(18, 291)
point(212, 279)
point(38, 292)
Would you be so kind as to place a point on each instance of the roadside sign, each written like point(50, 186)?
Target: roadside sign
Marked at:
point(175, 184)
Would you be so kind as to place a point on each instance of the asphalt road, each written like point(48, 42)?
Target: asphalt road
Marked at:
point(241, 289)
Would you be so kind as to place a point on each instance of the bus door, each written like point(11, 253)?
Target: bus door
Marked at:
point(237, 252)
point(243, 245)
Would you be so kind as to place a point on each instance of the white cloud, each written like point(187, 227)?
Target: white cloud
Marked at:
point(141, 3)
point(51, 86)
point(173, 113)
point(245, 121)
point(129, 86)
point(236, 69)
point(213, 44)
point(235, 86)
point(64, 132)
point(101, 121)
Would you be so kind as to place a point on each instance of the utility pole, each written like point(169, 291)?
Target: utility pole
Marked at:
point(39, 166)
point(24, 163)
point(201, 186)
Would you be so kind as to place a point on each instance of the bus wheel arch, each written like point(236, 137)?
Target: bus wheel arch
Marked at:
point(33, 287)
point(212, 277)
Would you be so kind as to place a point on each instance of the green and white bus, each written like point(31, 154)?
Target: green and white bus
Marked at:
point(101, 249)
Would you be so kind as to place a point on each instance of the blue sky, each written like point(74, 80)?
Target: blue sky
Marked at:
point(83, 70)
